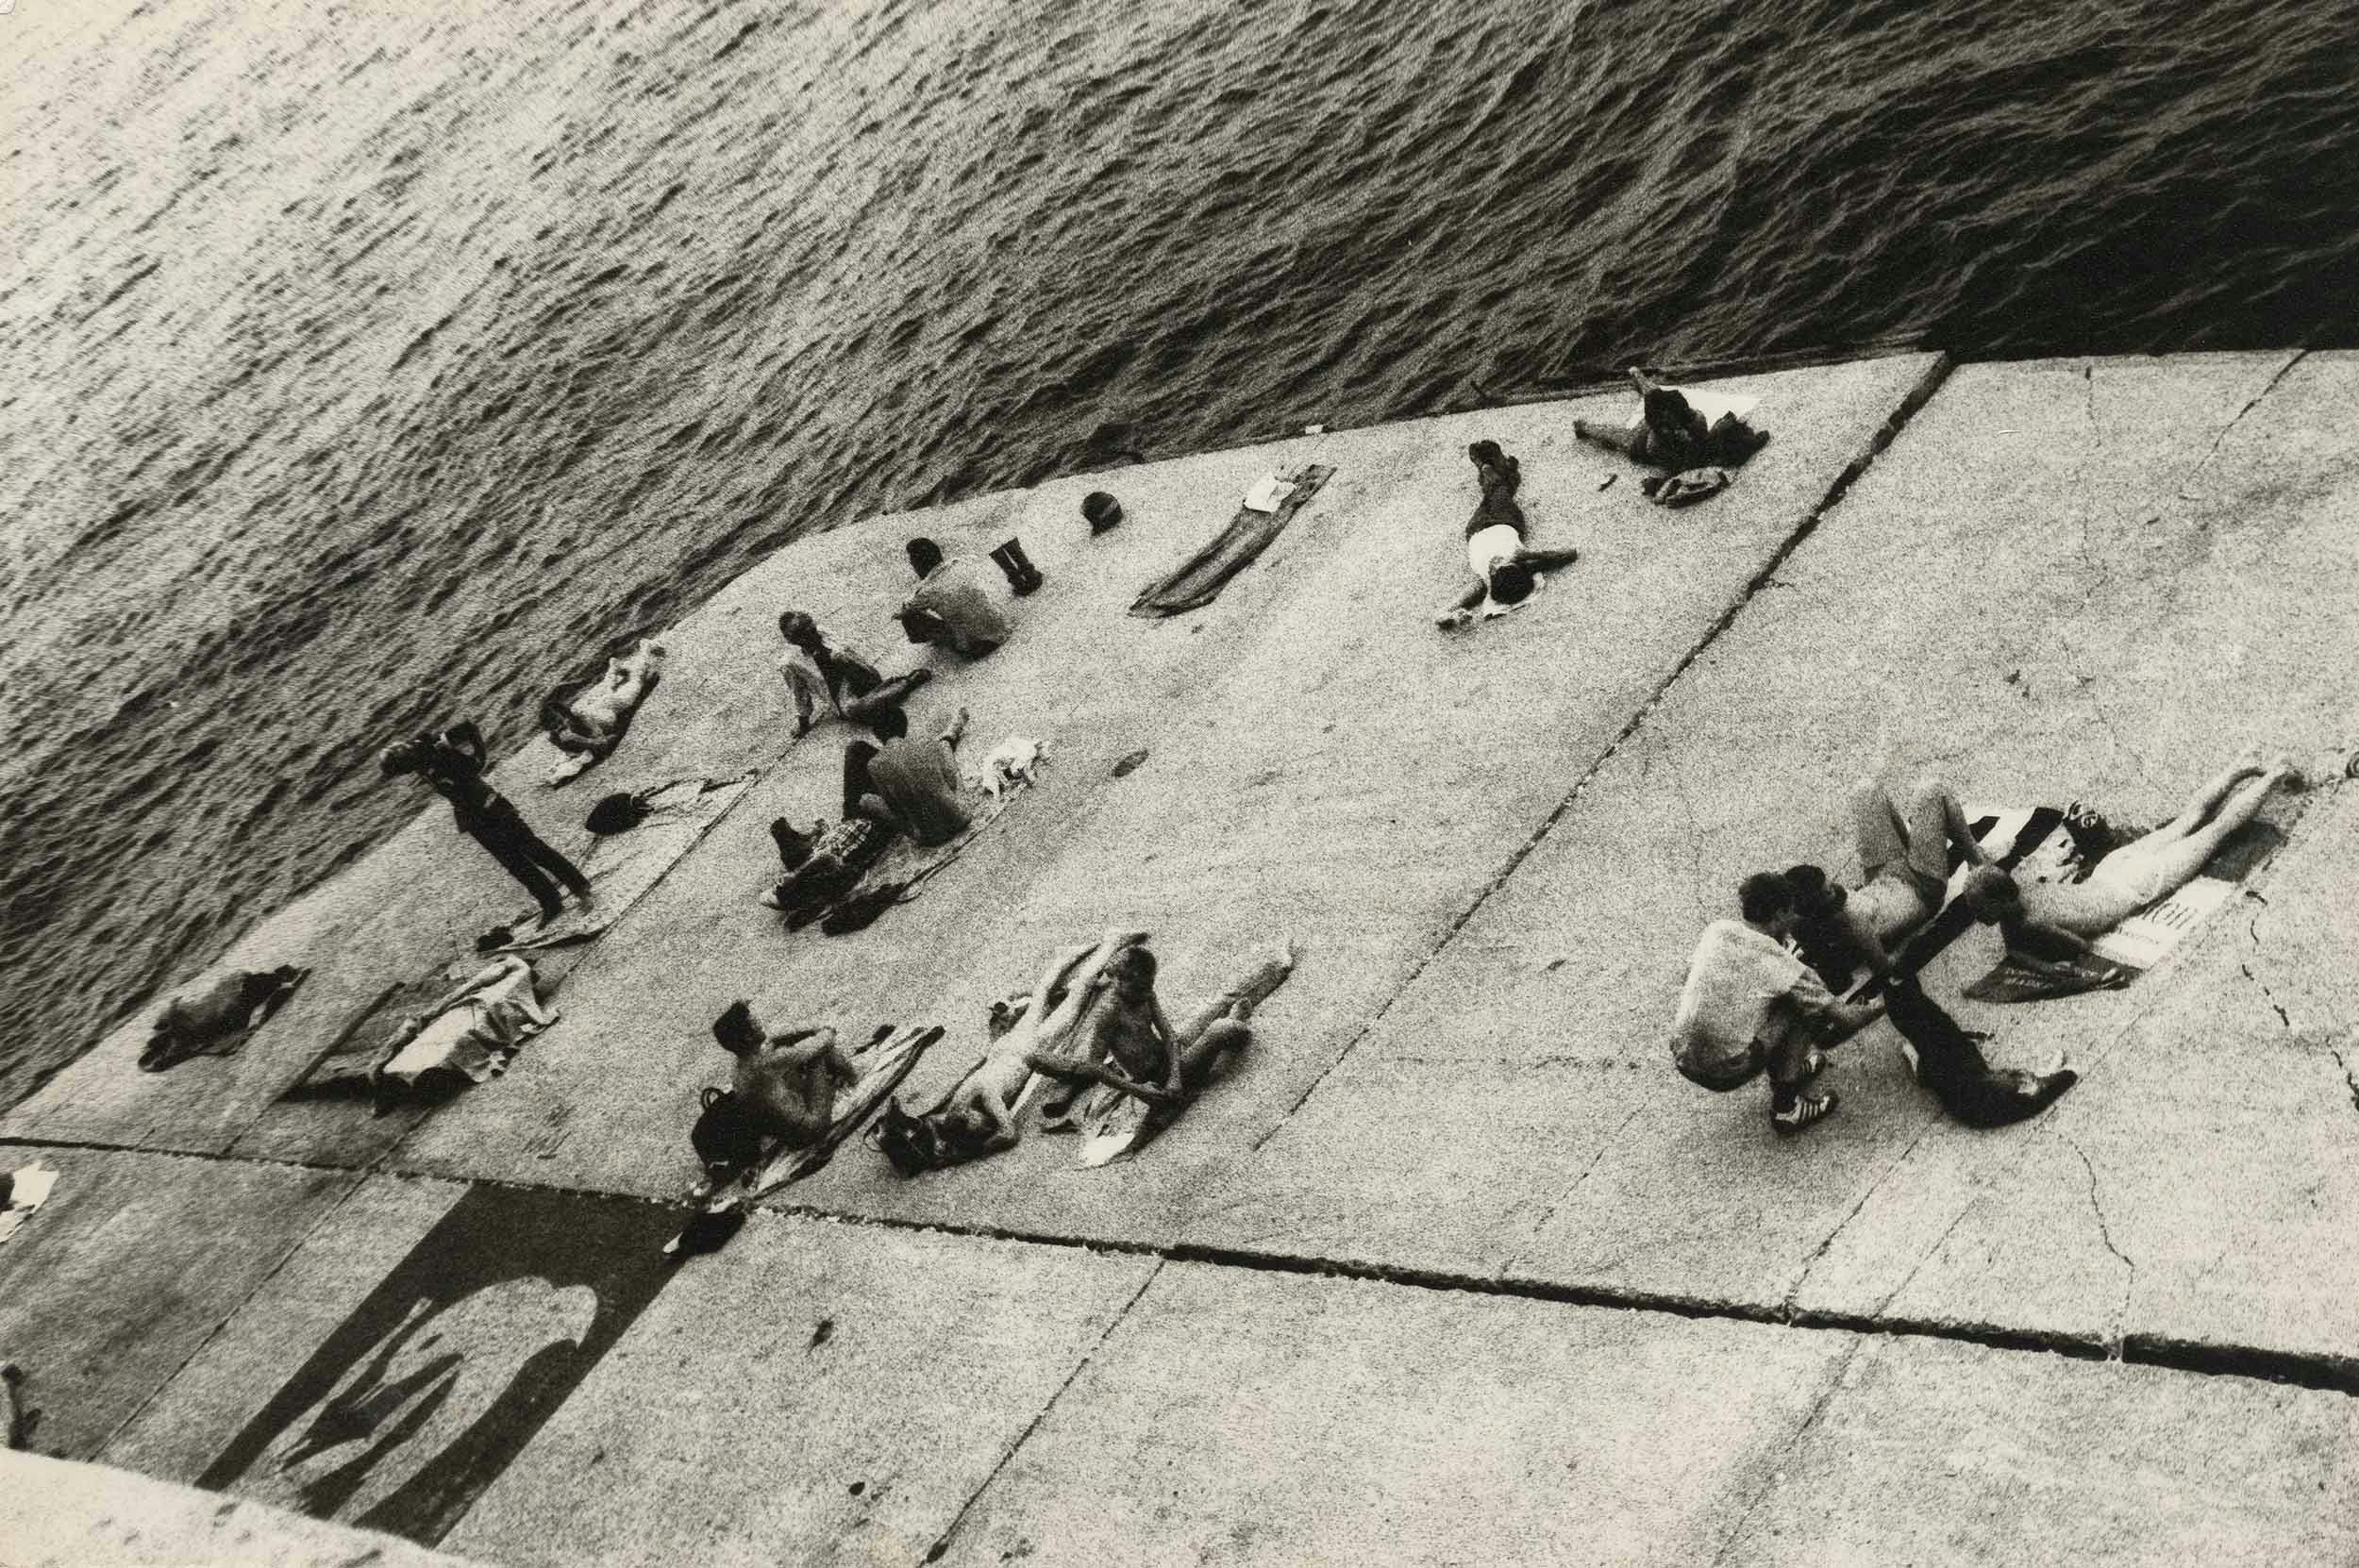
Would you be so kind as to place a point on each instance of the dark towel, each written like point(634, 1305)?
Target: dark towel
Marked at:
point(1198, 580)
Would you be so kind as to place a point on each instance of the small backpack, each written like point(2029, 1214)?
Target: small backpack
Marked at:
point(724, 1135)
point(911, 1142)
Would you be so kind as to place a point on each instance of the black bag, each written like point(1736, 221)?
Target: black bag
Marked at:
point(724, 1135)
point(912, 1143)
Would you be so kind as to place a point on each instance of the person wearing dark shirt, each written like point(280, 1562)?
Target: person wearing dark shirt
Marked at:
point(910, 785)
point(451, 763)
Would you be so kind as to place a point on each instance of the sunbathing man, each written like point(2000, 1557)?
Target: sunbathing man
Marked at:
point(818, 669)
point(910, 785)
point(1670, 433)
point(2052, 919)
point(1127, 1029)
point(950, 607)
point(1749, 1004)
point(1505, 572)
point(786, 1084)
point(1904, 869)
point(590, 723)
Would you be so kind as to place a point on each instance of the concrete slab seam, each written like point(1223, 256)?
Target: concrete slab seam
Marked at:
point(1789, 1452)
point(1915, 398)
point(942, 1543)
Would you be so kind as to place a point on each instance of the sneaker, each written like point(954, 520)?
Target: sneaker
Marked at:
point(1805, 1110)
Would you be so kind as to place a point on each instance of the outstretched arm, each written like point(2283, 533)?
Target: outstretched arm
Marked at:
point(1462, 607)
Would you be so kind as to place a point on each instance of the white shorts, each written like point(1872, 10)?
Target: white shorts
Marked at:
point(1491, 544)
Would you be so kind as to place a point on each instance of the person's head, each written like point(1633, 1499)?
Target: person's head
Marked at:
point(799, 629)
point(925, 554)
point(1815, 897)
point(736, 1029)
point(1765, 899)
point(888, 723)
point(1991, 895)
point(1667, 411)
point(1511, 581)
point(1007, 1012)
point(1134, 973)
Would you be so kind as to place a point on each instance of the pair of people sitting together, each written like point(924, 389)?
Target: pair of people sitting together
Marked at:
point(1671, 433)
point(1092, 1018)
point(1750, 1005)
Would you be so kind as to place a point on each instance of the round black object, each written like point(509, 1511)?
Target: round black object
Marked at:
point(615, 813)
point(1102, 510)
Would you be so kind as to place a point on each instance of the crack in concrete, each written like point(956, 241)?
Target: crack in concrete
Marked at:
point(2351, 1076)
point(2104, 1233)
point(1795, 1291)
point(1790, 1451)
point(2187, 494)
point(942, 1543)
point(1605, 1146)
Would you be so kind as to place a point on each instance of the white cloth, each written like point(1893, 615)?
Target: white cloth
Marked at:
point(479, 1034)
point(1734, 980)
point(1486, 546)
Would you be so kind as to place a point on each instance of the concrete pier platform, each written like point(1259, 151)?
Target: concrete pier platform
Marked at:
point(1603, 1316)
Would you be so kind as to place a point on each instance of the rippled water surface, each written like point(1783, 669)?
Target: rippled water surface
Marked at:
point(362, 354)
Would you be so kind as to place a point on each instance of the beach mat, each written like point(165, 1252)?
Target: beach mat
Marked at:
point(624, 867)
point(1197, 581)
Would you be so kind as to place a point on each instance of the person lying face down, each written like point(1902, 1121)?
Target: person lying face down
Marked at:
point(1504, 570)
point(786, 1085)
point(2053, 919)
point(950, 607)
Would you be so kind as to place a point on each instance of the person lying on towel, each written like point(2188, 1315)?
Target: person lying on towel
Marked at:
point(191, 1025)
point(1751, 1004)
point(977, 1116)
point(819, 670)
point(589, 723)
point(823, 864)
point(786, 1084)
point(1671, 434)
point(951, 608)
point(1127, 1031)
point(1904, 869)
point(1505, 572)
point(471, 1030)
point(909, 786)
point(2051, 920)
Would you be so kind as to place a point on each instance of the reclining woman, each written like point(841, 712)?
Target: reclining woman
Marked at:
point(1505, 572)
point(2051, 920)
point(817, 669)
point(1670, 433)
point(587, 719)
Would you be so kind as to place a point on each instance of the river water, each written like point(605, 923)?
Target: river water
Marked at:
point(372, 362)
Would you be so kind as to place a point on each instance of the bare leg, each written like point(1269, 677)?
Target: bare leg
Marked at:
point(1876, 827)
point(893, 693)
point(1624, 439)
point(2207, 800)
point(2158, 866)
point(1204, 1053)
point(1935, 818)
